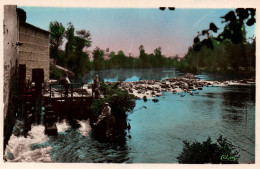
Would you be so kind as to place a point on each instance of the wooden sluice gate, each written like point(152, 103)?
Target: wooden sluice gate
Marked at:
point(58, 106)
point(41, 104)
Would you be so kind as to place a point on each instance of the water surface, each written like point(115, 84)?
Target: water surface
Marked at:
point(159, 129)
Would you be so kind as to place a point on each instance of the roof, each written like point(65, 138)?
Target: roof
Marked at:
point(34, 27)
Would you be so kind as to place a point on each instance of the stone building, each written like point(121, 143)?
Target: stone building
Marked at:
point(34, 49)
point(23, 44)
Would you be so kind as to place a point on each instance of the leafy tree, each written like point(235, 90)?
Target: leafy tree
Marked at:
point(229, 50)
point(98, 58)
point(57, 31)
point(75, 58)
point(69, 45)
point(158, 60)
point(143, 58)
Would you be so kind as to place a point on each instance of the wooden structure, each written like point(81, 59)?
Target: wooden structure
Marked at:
point(69, 107)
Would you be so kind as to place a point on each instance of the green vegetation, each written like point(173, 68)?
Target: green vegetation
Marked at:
point(229, 51)
point(207, 152)
point(121, 103)
point(55, 73)
point(120, 60)
point(73, 57)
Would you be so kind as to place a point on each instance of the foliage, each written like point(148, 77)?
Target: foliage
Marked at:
point(121, 103)
point(98, 58)
point(207, 152)
point(55, 73)
point(73, 57)
point(57, 31)
point(119, 100)
point(229, 51)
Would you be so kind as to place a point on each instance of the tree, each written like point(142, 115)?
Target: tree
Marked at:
point(57, 31)
point(98, 58)
point(228, 49)
point(143, 57)
point(159, 60)
point(76, 59)
point(69, 45)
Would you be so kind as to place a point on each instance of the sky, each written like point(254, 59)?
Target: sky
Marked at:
point(127, 28)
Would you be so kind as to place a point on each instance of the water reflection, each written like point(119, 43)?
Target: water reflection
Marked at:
point(130, 74)
point(236, 102)
point(238, 116)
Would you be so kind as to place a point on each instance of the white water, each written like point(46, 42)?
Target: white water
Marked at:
point(20, 147)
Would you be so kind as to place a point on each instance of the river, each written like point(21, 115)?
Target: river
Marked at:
point(159, 129)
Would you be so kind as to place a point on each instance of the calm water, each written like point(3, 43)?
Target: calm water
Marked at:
point(130, 74)
point(158, 129)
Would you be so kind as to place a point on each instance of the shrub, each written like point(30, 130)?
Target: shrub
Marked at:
point(207, 152)
point(55, 73)
point(120, 103)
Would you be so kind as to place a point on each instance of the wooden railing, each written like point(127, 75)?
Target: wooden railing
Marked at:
point(72, 88)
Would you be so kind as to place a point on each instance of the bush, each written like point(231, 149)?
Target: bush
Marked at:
point(208, 152)
point(55, 73)
point(120, 103)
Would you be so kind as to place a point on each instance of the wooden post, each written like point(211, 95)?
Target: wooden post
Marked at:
point(61, 92)
point(71, 88)
point(82, 88)
point(50, 90)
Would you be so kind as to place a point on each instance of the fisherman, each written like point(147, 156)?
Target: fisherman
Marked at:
point(106, 113)
point(108, 117)
point(96, 82)
point(66, 83)
point(96, 87)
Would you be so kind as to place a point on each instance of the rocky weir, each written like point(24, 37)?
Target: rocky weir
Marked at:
point(187, 83)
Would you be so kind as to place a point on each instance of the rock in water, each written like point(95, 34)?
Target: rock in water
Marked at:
point(145, 99)
point(155, 100)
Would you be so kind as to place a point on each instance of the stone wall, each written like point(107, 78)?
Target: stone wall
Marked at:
point(11, 28)
point(34, 51)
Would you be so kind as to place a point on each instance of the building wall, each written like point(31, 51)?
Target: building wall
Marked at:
point(10, 49)
point(34, 51)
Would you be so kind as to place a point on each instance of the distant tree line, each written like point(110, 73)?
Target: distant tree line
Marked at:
point(75, 59)
point(228, 51)
point(120, 60)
